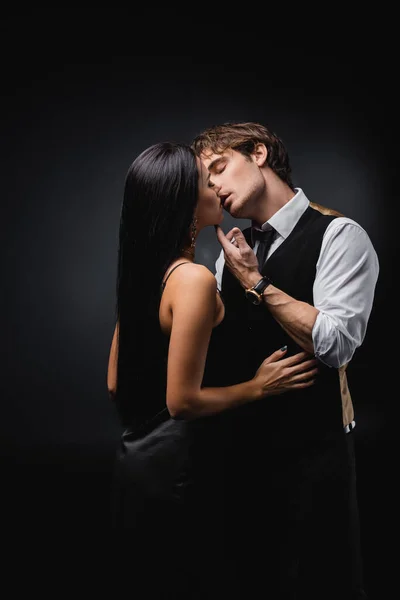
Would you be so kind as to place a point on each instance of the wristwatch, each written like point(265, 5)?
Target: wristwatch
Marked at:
point(254, 294)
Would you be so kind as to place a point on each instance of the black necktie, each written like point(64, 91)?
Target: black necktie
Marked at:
point(265, 238)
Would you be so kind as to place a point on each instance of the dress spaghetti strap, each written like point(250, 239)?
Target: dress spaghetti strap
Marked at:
point(175, 267)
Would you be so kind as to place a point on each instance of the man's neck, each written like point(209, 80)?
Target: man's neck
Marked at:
point(277, 194)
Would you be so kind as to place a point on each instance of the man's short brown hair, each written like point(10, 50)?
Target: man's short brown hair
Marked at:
point(243, 137)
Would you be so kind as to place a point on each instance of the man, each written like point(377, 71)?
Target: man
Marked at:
point(304, 277)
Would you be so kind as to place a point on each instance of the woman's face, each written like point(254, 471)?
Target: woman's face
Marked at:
point(209, 208)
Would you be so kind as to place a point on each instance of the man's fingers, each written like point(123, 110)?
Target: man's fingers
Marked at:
point(231, 234)
point(239, 238)
point(229, 238)
point(222, 238)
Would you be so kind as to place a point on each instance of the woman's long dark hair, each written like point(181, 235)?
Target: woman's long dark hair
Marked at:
point(160, 197)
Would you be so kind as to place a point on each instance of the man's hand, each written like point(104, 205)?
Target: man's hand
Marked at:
point(297, 318)
point(239, 256)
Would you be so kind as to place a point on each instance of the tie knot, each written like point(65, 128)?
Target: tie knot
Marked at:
point(262, 235)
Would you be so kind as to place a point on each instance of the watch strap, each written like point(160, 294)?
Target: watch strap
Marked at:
point(261, 285)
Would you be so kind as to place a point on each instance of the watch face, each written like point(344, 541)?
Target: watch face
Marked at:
point(253, 296)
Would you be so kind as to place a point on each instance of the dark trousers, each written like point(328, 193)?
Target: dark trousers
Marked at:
point(293, 531)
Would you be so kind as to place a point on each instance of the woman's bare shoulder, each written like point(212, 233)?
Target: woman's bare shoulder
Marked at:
point(193, 274)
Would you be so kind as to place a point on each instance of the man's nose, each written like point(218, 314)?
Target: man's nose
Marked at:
point(214, 186)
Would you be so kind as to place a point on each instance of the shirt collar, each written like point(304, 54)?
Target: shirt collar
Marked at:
point(285, 219)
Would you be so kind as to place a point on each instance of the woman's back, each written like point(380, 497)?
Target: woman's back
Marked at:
point(168, 295)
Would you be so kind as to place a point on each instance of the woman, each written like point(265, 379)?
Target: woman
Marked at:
point(172, 450)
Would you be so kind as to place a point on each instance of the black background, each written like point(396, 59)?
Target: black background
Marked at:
point(75, 112)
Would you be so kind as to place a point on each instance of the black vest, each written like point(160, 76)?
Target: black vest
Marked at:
point(249, 334)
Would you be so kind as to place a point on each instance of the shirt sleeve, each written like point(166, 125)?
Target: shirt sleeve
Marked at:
point(219, 267)
point(344, 288)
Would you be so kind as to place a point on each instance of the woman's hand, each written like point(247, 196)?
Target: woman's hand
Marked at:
point(277, 375)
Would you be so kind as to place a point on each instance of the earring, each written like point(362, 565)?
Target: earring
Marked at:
point(193, 232)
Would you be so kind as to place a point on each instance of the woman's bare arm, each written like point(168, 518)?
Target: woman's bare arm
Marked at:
point(192, 298)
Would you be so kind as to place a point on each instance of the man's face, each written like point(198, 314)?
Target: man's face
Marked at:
point(238, 181)
point(209, 208)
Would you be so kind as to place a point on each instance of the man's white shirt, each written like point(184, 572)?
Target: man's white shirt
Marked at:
point(346, 275)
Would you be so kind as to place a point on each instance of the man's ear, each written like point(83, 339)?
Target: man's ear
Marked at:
point(260, 154)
